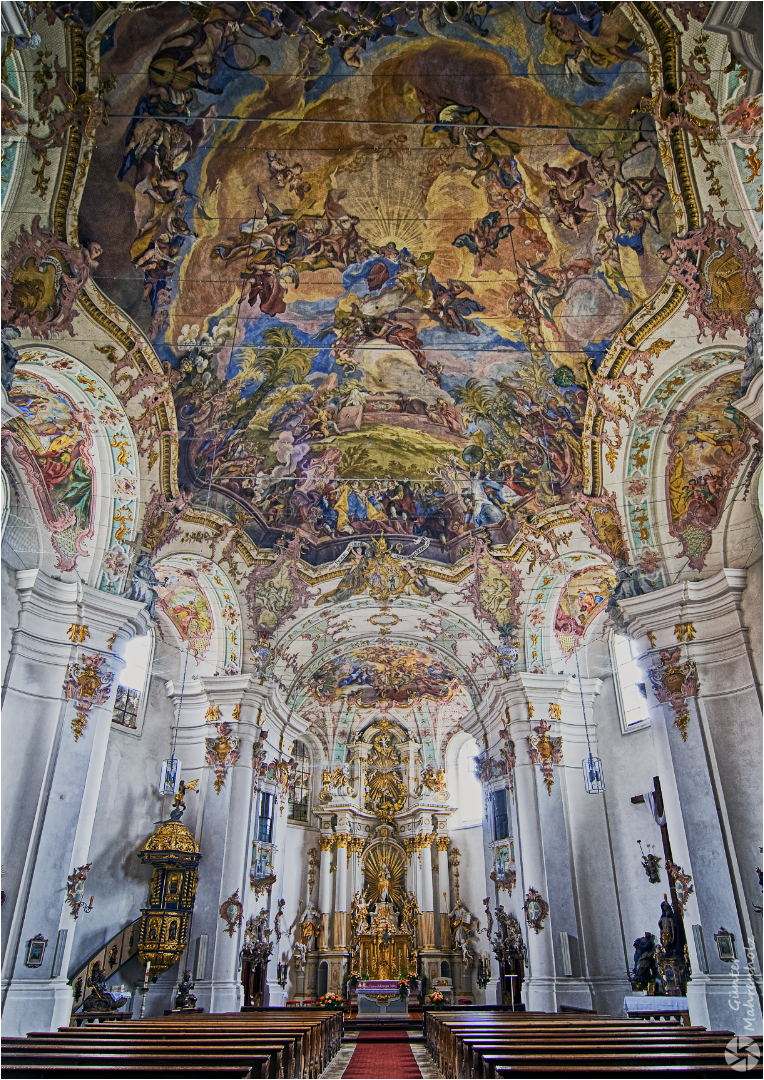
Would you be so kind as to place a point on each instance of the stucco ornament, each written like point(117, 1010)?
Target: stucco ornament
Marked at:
point(674, 682)
point(87, 685)
point(545, 751)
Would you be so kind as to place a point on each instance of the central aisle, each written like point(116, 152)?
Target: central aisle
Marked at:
point(382, 1052)
point(380, 1055)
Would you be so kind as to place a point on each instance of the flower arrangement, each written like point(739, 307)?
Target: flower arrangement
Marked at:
point(435, 1000)
point(330, 1001)
point(403, 988)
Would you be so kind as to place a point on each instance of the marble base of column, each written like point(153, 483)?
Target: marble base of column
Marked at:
point(539, 994)
point(35, 1006)
point(491, 994)
point(324, 943)
point(725, 1002)
point(608, 993)
point(426, 922)
point(445, 932)
point(571, 991)
point(276, 995)
point(340, 929)
point(227, 996)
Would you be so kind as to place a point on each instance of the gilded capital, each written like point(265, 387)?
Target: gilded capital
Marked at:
point(326, 842)
point(442, 842)
point(342, 840)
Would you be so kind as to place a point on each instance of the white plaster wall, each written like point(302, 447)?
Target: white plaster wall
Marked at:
point(129, 806)
point(752, 615)
point(9, 611)
point(629, 765)
point(472, 873)
point(293, 887)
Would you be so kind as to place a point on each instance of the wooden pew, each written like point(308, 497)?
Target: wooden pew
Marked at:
point(491, 1045)
point(273, 1046)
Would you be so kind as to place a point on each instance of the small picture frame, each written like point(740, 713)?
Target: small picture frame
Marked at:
point(36, 951)
point(725, 944)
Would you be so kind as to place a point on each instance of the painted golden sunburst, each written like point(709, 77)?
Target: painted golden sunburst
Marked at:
point(390, 204)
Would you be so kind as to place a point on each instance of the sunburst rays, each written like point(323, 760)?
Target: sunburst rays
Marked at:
point(393, 858)
point(389, 202)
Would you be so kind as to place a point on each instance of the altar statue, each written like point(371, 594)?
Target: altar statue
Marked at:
point(383, 884)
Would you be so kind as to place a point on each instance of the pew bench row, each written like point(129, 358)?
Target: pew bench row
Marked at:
point(272, 1045)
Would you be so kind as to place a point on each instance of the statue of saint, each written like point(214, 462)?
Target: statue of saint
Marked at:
point(383, 884)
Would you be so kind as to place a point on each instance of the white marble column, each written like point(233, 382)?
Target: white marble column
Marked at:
point(444, 890)
point(340, 893)
point(711, 781)
point(51, 780)
point(426, 906)
point(539, 986)
point(325, 889)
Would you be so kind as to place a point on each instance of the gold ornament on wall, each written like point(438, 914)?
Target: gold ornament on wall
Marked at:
point(673, 683)
point(231, 911)
point(222, 753)
point(545, 751)
point(282, 770)
point(385, 861)
point(86, 685)
point(385, 790)
point(536, 910)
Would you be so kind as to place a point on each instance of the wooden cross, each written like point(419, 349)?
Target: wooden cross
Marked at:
point(668, 857)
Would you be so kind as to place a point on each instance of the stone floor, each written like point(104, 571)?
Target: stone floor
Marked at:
point(342, 1060)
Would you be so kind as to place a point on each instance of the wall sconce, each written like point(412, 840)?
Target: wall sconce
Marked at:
point(281, 975)
point(725, 944)
point(651, 864)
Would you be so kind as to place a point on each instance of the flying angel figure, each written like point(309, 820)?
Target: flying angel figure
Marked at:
point(484, 237)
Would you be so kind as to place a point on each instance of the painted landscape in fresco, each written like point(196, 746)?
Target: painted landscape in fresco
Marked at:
point(383, 326)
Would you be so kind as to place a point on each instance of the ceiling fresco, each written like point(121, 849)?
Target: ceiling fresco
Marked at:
point(380, 253)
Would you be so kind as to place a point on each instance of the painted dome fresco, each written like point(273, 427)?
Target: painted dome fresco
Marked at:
point(380, 252)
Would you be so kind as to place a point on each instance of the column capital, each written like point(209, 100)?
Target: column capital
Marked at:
point(238, 697)
point(326, 842)
point(705, 610)
point(63, 613)
point(442, 842)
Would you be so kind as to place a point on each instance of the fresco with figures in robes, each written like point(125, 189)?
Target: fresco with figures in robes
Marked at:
point(380, 258)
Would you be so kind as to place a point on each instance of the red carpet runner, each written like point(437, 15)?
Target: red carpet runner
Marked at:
point(382, 1055)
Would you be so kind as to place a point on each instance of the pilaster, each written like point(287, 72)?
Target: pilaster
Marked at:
point(705, 717)
point(67, 642)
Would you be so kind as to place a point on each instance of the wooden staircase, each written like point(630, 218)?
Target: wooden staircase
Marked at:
point(111, 956)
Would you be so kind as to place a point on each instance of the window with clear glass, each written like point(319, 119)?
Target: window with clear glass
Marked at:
point(133, 681)
point(299, 788)
point(630, 687)
point(265, 817)
point(470, 788)
point(500, 816)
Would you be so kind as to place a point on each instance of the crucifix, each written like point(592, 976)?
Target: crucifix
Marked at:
point(660, 813)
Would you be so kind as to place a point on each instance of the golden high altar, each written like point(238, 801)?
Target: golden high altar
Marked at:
point(384, 949)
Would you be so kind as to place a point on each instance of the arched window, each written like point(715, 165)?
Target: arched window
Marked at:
point(470, 799)
point(629, 686)
point(299, 789)
point(130, 699)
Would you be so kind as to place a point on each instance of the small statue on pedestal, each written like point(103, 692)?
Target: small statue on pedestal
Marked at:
point(645, 975)
point(184, 999)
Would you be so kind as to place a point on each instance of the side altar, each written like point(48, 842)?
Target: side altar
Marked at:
point(383, 948)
